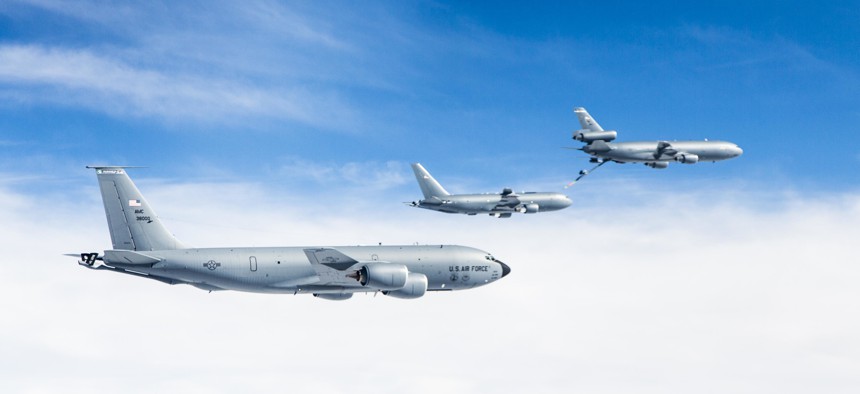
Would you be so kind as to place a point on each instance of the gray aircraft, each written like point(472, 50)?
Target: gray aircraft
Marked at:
point(500, 205)
point(654, 154)
point(143, 247)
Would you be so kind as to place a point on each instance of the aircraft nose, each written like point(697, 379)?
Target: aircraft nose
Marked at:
point(505, 269)
point(566, 202)
point(738, 151)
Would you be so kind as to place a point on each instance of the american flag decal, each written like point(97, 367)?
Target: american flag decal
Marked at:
point(134, 203)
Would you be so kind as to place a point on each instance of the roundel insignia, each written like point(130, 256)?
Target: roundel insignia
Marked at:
point(211, 264)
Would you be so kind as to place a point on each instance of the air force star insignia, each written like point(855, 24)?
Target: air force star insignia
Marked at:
point(211, 264)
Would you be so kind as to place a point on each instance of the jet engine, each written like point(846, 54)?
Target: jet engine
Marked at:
point(529, 208)
point(334, 296)
point(657, 164)
point(590, 136)
point(382, 276)
point(687, 158)
point(416, 286)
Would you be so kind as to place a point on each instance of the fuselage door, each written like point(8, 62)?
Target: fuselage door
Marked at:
point(253, 261)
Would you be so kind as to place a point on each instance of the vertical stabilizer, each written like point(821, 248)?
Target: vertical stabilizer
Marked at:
point(585, 120)
point(429, 186)
point(132, 222)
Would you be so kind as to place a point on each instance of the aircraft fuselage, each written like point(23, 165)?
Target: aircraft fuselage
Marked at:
point(646, 151)
point(289, 270)
point(497, 203)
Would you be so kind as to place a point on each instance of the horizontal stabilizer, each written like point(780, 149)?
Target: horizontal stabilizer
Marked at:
point(129, 257)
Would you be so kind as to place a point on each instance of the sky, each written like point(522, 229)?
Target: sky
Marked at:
point(267, 123)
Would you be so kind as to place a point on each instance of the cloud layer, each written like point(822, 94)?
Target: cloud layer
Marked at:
point(691, 291)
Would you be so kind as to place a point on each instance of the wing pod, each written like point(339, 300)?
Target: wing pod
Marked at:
point(382, 276)
point(416, 286)
point(687, 158)
point(529, 208)
point(591, 136)
point(334, 296)
point(657, 164)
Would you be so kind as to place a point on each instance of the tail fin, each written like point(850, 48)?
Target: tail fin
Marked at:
point(585, 120)
point(132, 222)
point(429, 186)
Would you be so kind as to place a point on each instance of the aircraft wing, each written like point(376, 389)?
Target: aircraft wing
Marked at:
point(330, 257)
point(508, 201)
point(664, 148)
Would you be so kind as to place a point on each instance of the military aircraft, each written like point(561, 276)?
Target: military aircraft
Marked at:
point(654, 154)
point(500, 205)
point(143, 247)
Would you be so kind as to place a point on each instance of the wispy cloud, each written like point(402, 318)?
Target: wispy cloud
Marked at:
point(85, 78)
point(260, 59)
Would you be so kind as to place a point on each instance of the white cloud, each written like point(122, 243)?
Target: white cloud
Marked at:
point(712, 292)
point(84, 78)
point(280, 20)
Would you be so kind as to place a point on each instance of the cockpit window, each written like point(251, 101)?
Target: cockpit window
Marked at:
point(490, 257)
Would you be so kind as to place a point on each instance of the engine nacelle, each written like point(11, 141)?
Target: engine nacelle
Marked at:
point(529, 208)
point(334, 296)
point(687, 158)
point(590, 136)
point(416, 286)
point(657, 164)
point(383, 276)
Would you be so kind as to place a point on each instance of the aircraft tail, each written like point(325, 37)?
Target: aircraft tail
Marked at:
point(429, 186)
point(585, 120)
point(132, 222)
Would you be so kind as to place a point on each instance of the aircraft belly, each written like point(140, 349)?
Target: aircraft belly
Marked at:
point(472, 207)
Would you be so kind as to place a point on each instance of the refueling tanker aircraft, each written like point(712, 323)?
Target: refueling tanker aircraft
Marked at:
point(500, 205)
point(143, 247)
point(654, 154)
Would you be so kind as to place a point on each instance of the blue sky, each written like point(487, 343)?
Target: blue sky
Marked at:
point(253, 89)
point(267, 123)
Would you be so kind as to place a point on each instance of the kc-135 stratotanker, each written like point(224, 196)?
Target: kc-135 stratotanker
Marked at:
point(143, 247)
